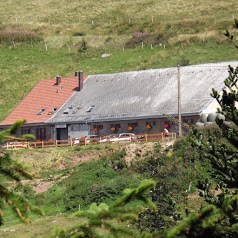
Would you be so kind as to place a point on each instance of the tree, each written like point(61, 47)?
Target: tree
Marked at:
point(105, 220)
point(220, 217)
point(10, 170)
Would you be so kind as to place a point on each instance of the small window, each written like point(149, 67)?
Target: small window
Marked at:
point(66, 111)
point(40, 112)
point(91, 108)
point(25, 131)
point(115, 125)
point(40, 133)
point(134, 124)
point(99, 127)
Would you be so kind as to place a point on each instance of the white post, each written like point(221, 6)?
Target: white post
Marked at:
point(179, 102)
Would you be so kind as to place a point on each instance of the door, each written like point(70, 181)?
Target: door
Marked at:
point(62, 133)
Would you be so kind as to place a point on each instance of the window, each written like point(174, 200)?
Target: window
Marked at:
point(188, 121)
point(99, 127)
point(115, 125)
point(91, 108)
point(134, 124)
point(40, 112)
point(40, 133)
point(25, 131)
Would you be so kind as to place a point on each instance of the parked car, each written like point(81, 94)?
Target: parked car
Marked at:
point(123, 137)
point(126, 137)
point(108, 139)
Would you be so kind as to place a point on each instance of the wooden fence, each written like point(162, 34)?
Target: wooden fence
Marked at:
point(85, 141)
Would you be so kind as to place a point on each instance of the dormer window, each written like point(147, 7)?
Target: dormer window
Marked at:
point(40, 112)
point(53, 111)
point(91, 108)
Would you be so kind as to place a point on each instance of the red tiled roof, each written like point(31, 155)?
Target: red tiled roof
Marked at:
point(45, 95)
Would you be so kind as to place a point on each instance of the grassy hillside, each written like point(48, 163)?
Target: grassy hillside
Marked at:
point(42, 39)
point(69, 179)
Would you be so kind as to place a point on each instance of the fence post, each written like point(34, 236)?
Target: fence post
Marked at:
point(162, 136)
point(145, 137)
point(56, 143)
point(71, 142)
point(42, 144)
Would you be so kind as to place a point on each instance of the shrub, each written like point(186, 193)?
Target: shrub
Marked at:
point(117, 161)
point(236, 23)
point(83, 46)
point(23, 36)
point(157, 148)
point(139, 37)
point(78, 33)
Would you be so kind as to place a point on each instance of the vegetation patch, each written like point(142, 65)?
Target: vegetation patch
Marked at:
point(10, 36)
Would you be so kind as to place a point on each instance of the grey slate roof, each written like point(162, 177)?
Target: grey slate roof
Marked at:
point(143, 94)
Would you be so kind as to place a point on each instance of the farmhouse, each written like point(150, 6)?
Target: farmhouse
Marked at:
point(139, 101)
point(40, 104)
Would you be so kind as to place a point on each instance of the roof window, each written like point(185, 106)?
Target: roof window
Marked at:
point(40, 112)
point(91, 108)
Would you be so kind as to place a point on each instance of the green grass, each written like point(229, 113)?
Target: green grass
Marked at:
point(39, 228)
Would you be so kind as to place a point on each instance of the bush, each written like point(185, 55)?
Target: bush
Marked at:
point(148, 39)
point(83, 46)
point(117, 161)
point(236, 23)
point(18, 36)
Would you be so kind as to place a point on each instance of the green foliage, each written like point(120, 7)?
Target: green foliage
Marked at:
point(94, 182)
point(211, 221)
point(10, 170)
point(183, 61)
point(112, 220)
point(83, 46)
point(117, 160)
point(220, 218)
point(236, 23)
point(157, 148)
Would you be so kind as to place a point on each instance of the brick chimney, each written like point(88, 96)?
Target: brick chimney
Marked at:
point(57, 80)
point(79, 74)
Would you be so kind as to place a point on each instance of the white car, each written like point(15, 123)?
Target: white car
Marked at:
point(127, 137)
point(123, 137)
point(108, 139)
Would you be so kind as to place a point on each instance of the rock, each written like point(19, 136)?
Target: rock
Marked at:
point(105, 55)
point(203, 117)
point(199, 124)
point(212, 117)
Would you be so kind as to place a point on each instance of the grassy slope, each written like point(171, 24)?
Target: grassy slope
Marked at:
point(96, 178)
